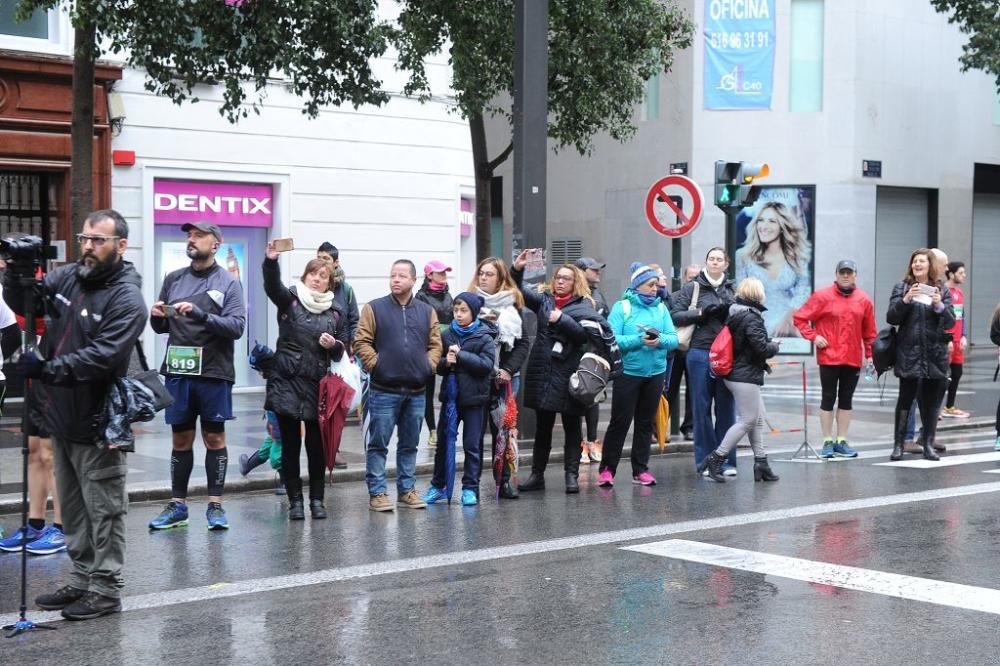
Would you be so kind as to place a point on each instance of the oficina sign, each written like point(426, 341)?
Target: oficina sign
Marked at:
point(225, 204)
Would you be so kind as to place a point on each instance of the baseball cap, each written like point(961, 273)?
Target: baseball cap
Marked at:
point(436, 266)
point(589, 262)
point(847, 265)
point(207, 227)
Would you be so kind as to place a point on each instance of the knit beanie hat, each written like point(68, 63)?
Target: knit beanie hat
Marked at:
point(474, 301)
point(640, 274)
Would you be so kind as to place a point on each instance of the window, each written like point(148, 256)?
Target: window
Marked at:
point(36, 27)
point(651, 105)
point(805, 86)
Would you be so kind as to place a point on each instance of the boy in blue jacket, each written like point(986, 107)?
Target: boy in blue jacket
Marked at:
point(470, 354)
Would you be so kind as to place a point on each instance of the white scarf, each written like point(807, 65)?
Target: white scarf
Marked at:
point(316, 302)
point(715, 283)
point(508, 318)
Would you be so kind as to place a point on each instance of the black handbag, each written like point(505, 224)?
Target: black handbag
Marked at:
point(884, 350)
point(151, 380)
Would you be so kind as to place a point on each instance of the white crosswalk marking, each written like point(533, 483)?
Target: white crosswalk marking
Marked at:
point(969, 597)
point(946, 461)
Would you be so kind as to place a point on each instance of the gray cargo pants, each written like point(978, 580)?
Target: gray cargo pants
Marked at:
point(91, 484)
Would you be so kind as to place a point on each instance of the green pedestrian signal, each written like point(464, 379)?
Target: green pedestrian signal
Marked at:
point(734, 183)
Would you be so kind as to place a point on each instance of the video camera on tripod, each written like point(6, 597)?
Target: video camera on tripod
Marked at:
point(25, 255)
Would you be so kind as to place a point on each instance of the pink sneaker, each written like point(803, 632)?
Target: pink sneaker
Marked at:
point(644, 479)
point(606, 480)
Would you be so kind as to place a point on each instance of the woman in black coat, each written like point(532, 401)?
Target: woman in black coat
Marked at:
point(434, 292)
point(751, 349)
point(922, 311)
point(312, 331)
point(560, 343)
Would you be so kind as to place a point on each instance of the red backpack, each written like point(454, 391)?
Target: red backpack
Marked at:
point(720, 354)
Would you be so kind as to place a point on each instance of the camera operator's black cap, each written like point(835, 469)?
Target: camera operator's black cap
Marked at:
point(584, 263)
point(207, 227)
point(847, 265)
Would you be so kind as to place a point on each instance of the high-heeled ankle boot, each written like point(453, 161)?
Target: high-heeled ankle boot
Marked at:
point(296, 509)
point(535, 482)
point(762, 470)
point(929, 453)
point(508, 491)
point(899, 434)
point(572, 482)
point(249, 462)
point(713, 463)
point(316, 509)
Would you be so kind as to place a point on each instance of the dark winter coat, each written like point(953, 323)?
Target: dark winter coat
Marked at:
point(474, 369)
point(300, 361)
point(751, 347)
point(546, 384)
point(441, 301)
point(995, 327)
point(602, 308)
point(706, 326)
point(922, 335)
point(90, 336)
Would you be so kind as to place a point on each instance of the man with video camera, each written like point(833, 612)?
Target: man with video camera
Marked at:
point(96, 315)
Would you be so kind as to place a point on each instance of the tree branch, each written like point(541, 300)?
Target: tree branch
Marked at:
point(501, 158)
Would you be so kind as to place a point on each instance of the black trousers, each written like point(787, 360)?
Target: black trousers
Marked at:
point(633, 398)
point(544, 422)
point(291, 448)
point(956, 376)
point(678, 371)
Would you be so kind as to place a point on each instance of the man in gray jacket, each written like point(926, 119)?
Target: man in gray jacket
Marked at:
point(202, 309)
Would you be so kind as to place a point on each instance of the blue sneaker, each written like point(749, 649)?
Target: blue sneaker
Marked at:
point(469, 497)
point(827, 448)
point(51, 540)
point(216, 517)
point(433, 495)
point(12, 544)
point(842, 450)
point(175, 514)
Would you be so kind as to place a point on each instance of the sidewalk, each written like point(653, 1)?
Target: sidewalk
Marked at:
point(149, 467)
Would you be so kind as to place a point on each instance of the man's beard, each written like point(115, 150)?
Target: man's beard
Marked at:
point(195, 255)
point(98, 268)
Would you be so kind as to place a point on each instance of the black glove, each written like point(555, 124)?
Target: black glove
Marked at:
point(30, 365)
point(197, 314)
point(716, 311)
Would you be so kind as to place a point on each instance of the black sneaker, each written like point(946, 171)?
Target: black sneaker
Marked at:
point(91, 605)
point(59, 599)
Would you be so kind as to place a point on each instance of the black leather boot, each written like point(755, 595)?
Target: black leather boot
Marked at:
point(296, 510)
point(713, 463)
point(572, 483)
point(899, 436)
point(762, 470)
point(316, 509)
point(535, 482)
point(508, 491)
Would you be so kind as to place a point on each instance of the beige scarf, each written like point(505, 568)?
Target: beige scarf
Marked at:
point(316, 302)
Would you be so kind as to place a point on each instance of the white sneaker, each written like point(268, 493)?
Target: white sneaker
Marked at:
point(584, 453)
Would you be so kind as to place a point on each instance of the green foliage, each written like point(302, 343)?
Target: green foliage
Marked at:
point(601, 53)
point(980, 19)
point(323, 48)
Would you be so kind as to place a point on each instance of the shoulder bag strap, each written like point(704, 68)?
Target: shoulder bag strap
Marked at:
point(694, 296)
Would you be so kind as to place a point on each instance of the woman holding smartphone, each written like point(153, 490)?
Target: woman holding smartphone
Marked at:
point(645, 334)
point(922, 311)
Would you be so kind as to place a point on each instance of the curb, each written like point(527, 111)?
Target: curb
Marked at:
point(151, 493)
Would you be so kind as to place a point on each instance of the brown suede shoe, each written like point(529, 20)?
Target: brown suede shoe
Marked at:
point(909, 446)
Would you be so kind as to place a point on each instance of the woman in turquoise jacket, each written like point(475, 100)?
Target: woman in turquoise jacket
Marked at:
point(645, 335)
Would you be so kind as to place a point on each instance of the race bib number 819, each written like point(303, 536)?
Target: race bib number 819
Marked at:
point(183, 360)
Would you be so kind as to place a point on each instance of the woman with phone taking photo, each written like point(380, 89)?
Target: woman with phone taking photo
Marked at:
point(923, 314)
point(645, 334)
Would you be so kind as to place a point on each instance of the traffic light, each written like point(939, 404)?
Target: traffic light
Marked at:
point(727, 189)
point(747, 174)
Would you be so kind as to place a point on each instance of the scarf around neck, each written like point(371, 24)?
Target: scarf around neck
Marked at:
point(561, 301)
point(316, 302)
point(462, 331)
point(715, 283)
point(508, 318)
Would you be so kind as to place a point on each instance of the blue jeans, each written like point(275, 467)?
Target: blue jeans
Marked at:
point(706, 390)
point(385, 411)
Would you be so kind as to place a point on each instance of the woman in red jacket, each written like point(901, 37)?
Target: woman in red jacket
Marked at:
point(839, 319)
point(955, 273)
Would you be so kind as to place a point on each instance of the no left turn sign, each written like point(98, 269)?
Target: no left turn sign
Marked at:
point(665, 211)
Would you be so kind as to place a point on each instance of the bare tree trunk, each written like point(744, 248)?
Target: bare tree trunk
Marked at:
point(484, 168)
point(82, 138)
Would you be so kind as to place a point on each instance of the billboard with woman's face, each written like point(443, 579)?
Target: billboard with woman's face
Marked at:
point(774, 241)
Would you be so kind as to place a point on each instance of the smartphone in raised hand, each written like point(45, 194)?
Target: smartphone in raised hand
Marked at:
point(283, 244)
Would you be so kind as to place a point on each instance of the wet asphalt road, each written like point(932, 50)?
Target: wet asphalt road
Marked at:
point(545, 579)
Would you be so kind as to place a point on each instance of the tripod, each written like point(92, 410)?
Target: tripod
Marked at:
point(30, 285)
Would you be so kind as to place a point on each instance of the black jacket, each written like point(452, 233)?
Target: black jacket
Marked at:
point(441, 301)
point(921, 338)
point(601, 302)
point(995, 327)
point(89, 338)
point(707, 327)
point(300, 361)
point(751, 347)
point(474, 369)
point(546, 385)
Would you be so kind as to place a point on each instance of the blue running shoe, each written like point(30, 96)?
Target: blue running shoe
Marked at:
point(842, 450)
point(216, 517)
point(175, 514)
point(433, 495)
point(469, 497)
point(827, 448)
point(52, 540)
point(12, 544)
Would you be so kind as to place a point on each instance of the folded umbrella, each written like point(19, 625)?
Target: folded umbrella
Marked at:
point(335, 397)
point(448, 431)
point(662, 422)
